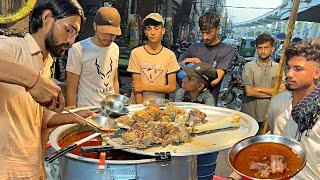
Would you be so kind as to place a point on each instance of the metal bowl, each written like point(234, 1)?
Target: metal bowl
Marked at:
point(118, 98)
point(294, 145)
point(159, 102)
point(104, 123)
point(110, 107)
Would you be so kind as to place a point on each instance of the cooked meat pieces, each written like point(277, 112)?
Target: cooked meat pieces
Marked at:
point(145, 134)
point(142, 116)
point(126, 120)
point(153, 125)
point(173, 111)
point(276, 164)
point(130, 136)
point(154, 111)
point(262, 168)
point(196, 117)
point(180, 135)
point(150, 113)
point(165, 118)
point(273, 165)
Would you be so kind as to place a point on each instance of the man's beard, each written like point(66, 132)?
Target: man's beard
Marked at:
point(55, 50)
point(289, 88)
point(263, 59)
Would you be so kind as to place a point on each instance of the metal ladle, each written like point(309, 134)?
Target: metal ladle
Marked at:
point(98, 123)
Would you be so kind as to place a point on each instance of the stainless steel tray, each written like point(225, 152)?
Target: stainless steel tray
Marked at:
point(204, 143)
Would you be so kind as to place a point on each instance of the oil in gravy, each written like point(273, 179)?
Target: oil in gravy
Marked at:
point(267, 160)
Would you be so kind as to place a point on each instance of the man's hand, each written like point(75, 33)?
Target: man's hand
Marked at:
point(47, 93)
point(137, 86)
point(191, 60)
point(215, 82)
point(82, 113)
point(69, 118)
point(220, 73)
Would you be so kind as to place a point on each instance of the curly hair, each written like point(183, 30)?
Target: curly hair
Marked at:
point(309, 49)
point(208, 21)
point(263, 38)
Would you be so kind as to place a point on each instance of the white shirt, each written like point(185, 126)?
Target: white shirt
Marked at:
point(281, 123)
point(96, 67)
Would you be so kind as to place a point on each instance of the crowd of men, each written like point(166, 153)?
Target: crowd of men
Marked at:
point(31, 103)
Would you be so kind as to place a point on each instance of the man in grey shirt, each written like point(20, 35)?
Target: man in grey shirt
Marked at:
point(258, 77)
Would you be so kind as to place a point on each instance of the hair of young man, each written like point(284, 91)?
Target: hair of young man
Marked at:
point(264, 38)
point(208, 21)
point(309, 49)
point(151, 22)
point(296, 39)
point(59, 8)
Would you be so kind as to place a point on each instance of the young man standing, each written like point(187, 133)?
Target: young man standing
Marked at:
point(211, 51)
point(92, 66)
point(153, 66)
point(195, 85)
point(25, 83)
point(295, 113)
point(258, 78)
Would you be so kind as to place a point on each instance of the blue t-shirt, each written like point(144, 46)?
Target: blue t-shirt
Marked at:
point(220, 56)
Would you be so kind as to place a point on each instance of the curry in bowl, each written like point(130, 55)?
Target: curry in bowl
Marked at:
point(269, 157)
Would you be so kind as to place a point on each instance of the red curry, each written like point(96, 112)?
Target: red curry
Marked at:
point(259, 155)
point(110, 155)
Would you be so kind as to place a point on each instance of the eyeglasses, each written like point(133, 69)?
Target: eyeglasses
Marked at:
point(72, 32)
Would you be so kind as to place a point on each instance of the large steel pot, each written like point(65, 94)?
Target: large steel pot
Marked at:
point(76, 167)
point(183, 164)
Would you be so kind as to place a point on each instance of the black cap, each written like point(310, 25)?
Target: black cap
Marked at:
point(202, 71)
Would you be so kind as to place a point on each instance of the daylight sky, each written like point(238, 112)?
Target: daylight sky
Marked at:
point(244, 14)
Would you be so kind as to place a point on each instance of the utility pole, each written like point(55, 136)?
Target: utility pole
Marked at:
point(168, 37)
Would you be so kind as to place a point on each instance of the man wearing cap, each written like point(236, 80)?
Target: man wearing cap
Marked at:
point(211, 50)
point(195, 85)
point(153, 66)
point(92, 66)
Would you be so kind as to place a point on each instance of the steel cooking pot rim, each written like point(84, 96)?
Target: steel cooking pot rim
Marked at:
point(54, 136)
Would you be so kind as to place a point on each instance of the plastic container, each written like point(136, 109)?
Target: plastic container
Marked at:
point(207, 165)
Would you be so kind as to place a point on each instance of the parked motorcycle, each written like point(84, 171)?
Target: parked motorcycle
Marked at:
point(229, 94)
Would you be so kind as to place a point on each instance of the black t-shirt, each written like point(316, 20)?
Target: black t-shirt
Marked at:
point(220, 56)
